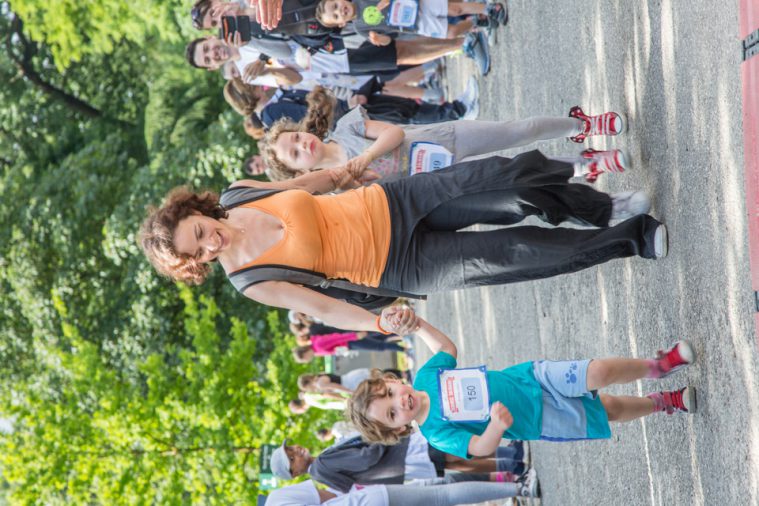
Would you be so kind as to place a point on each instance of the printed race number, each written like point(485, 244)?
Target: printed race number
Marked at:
point(464, 394)
point(428, 157)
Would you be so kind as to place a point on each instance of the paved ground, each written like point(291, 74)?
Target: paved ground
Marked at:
point(673, 68)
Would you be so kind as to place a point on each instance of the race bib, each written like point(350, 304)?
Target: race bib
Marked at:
point(464, 394)
point(403, 13)
point(428, 157)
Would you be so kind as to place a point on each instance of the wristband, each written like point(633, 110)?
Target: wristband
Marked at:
point(379, 327)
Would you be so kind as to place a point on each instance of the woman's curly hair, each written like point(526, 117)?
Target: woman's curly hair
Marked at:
point(367, 392)
point(156, 237)
point(318, 121)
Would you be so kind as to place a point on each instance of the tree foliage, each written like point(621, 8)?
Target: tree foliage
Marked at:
point(124, 387)
point(186, 432)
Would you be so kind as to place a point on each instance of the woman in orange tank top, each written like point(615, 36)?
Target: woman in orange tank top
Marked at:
point(285, 244)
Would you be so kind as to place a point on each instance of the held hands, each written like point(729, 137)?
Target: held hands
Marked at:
point(500, 416)
point(358, 165)
point(379, 39)
point(343, 179)
point(399, 320)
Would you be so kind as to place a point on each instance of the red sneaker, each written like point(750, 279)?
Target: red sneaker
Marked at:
point(675, 358)
point(676, 401)
point(598, 162)
point(608, 123)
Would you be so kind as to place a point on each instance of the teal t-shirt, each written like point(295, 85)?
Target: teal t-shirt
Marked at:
point(516, 388)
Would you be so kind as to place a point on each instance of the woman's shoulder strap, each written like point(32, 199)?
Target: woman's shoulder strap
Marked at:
point(364, 296)
point(233, 197)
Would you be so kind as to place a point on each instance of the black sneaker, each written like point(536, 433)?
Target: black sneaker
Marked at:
point(498, 14)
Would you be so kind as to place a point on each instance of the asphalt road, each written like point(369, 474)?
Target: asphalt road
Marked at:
point(673, 68)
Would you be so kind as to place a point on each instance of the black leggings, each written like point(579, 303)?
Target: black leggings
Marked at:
point(428, 253)
point(374, 341)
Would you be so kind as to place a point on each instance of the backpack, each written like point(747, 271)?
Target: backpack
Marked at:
point(363, 296)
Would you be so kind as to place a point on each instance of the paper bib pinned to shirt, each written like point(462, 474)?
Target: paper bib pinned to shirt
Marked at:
point(428, 157)
point(403, 13)
point(464, 394)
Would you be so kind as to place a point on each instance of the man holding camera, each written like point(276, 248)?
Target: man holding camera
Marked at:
point(211, 53)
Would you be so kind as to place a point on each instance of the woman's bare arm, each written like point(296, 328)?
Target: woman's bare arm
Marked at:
point(318, 181)
point(332, 312)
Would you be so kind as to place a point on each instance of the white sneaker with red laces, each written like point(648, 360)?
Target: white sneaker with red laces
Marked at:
point(596, 163)
point(608, 123)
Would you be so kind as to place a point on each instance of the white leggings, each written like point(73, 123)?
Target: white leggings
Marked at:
point(481, 137)
point(466, 492)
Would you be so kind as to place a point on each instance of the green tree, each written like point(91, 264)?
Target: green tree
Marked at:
point(74, 29)
point(187, 432)
point(124, 388)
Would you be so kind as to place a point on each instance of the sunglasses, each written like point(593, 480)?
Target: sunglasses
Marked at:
point(197, 16)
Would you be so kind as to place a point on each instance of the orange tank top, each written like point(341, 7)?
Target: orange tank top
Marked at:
point(341, 236)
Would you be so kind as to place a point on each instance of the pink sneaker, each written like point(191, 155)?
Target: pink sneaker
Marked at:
point(676, 401)
point(598, 162)
point(675, 358)
point(608, 123)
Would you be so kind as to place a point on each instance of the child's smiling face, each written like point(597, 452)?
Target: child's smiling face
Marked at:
point(337, 13)
point(398, 407)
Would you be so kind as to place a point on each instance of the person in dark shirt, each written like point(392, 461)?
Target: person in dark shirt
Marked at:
point(354, 461)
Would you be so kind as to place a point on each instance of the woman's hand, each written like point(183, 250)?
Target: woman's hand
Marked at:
point(358, 165)
point(343, 179)
point(399, 320)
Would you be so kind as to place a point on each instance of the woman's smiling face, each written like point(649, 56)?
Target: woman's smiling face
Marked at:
point(299, 150)
point(201, 237)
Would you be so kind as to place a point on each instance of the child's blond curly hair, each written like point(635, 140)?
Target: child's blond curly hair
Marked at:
point(318, 121)
point(367, 392)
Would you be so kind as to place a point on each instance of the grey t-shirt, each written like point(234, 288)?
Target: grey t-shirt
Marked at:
point(350, 133)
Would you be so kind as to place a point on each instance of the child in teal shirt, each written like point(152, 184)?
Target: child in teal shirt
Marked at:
point(548, 400)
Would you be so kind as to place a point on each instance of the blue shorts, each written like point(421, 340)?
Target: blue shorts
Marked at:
point(570, 410)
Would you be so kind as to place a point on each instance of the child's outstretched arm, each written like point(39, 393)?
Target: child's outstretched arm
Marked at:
point(435, 339)
point(387, 137)
point(500, 420)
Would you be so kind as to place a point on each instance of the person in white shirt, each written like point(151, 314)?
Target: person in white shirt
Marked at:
point(212, 52)
point(306, 494)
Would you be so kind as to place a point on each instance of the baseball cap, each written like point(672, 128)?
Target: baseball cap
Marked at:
point(280, 464)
